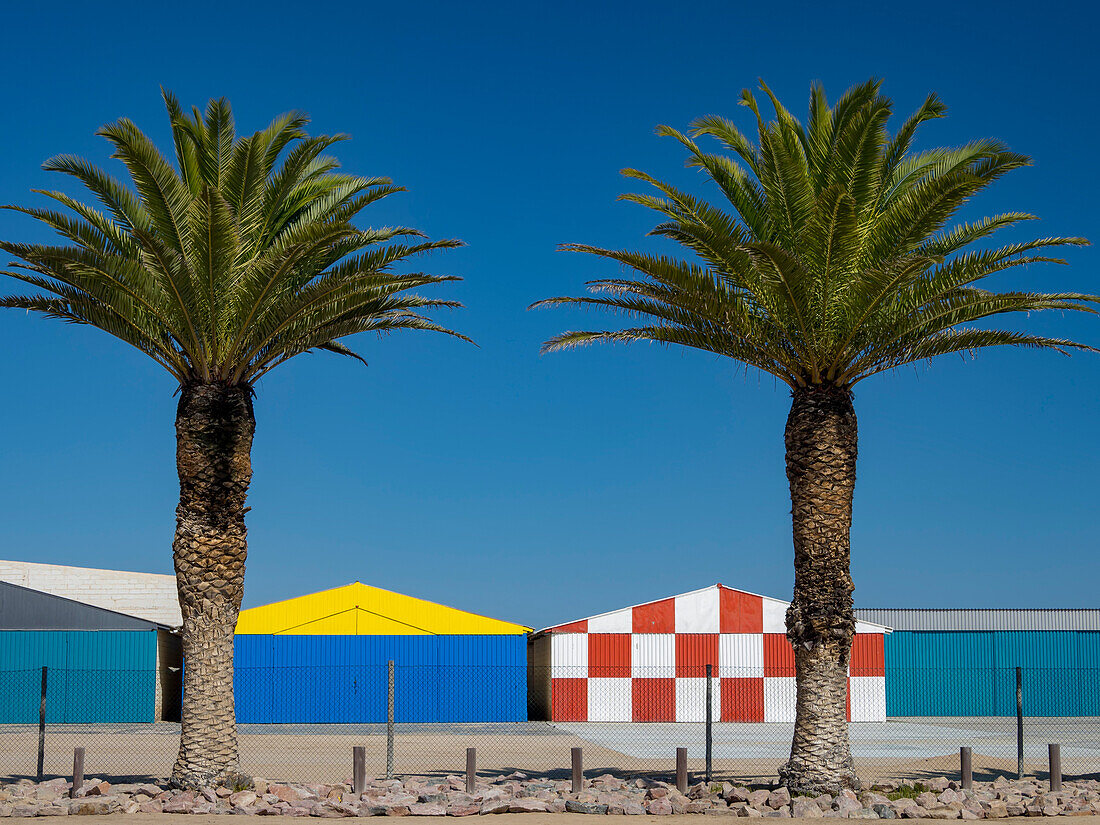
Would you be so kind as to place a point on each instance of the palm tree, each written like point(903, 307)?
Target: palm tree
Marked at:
point(833, 263)
point(220, 268)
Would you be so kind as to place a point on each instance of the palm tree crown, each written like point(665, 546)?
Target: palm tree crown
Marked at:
point(836, 262)
point(230, 263)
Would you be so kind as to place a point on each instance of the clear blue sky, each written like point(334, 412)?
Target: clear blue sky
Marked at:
point(542, 489)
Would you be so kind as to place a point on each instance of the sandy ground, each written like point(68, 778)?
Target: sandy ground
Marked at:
point(749, 754)
point(498, 819)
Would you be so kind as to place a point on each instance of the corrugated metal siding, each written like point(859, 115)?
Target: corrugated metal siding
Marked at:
point(973, 673)
point(978, 619)
point(94, 676)
point(343, 679)
point(939, 674)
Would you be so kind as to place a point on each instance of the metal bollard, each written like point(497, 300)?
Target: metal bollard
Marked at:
point(359, 770)
point(471, 769)
point(578, 770)
point(967, 768)
point(1054, 753)
point(78, 772)
point(682, 770)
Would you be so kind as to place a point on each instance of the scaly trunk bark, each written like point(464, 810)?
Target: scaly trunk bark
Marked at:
point(214, 427)
point(821, 468)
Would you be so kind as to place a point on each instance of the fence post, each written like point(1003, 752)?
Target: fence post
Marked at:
point(389, 722)
point(967, 768)
point(471, 769)
point(682, 770)
point(358, 770)
point(578, 770)
point(710, 720)
point(78, 772)
point(1054, 752)
point(42, 728)
point(1019, 722)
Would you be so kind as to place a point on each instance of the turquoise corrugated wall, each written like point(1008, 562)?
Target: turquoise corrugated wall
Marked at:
point(93, 676)
point(973, 673)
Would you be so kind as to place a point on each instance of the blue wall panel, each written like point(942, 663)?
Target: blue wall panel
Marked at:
point(93, 676)
point(973, 673)
point(935, 673)
point(343, 679)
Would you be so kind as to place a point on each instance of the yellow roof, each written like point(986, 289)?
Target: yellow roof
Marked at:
point(358, 609)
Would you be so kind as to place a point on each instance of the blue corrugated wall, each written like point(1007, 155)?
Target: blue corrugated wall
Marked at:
point(343, 679)
point(973, 673)
point(93, 676)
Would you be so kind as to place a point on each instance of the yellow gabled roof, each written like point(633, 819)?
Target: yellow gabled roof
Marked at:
point(360, 610)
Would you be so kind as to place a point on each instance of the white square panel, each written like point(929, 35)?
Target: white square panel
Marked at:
point(609, 700)
point(569, 655)
point(779, 696)
point(691, 699)
point(868, 698)
point(620, 621)
point(653, 655)
point(775, 616)
point(697, 612)
point(741, 655)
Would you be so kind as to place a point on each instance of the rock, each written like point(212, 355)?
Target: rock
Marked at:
point(24, 809)
point(943, 813)
point(658, 806)
point(737, 793)
point(782, 813)
point(397, 810)
point(495, 806)
point(575, 807)
point(634, 808)
point(759, 799)
point(698, 806)
point(242, 799)
point(179, 805)
point(427, 809)
point(939, 784)
point(927, 800)
point(884, 810)
point(863, 813)
point(284, 793)
point(749, 811)
point(461, 809)
point(806, 808)
point(657, 792)
point(778, 798)
point(92, 806)
point(528, 806)
point(846, 806)
point(151, 807)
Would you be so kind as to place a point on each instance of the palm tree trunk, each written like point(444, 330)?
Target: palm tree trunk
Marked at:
point(214, 427)
point(821, 468)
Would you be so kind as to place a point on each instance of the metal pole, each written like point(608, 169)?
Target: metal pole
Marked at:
point(389, 724)
point(358, 770)
point(578, 770)
point(967, 766)
point(1019, 723)
point(78, 772)
point(471, 769)
point(682, 770)
point(1054, 752)
point(710, 721)
point(42, 728)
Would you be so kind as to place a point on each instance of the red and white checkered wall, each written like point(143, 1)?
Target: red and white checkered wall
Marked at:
point(648, 663)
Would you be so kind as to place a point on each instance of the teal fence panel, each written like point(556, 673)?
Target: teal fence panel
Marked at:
point(92, 676)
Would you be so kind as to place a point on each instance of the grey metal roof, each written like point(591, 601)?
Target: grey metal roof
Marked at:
point(982, 619)
point(22, 608)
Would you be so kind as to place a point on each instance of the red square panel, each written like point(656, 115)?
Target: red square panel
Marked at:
point(655, 617)
point(778, 655)
point(867, 655)
point(572, 627)
point(653, 700)
point(694, 651)
point(742, 700)
point(609, 655)
point(569, 700)
point(739, 612)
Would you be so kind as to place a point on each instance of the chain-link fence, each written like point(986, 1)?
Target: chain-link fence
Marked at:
point(301, 724)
